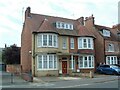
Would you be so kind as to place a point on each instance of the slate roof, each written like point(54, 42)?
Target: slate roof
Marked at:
point(113, 35)
point(45, 23)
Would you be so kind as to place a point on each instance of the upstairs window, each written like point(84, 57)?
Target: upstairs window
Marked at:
point(85, 43)
point(72, 43)
point(106, 33)
point(64, 43)
point(47, 40)
point(63, 25)
point(111, 48)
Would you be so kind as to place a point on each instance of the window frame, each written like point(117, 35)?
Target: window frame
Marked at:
point(64, 25)
point(111, 48)
point(72, 46)
point(82, 61)
point(81, 43)
point(111, 60)
point(106, 33)
point(64, 42)
point(54, 62)
point(40, 40)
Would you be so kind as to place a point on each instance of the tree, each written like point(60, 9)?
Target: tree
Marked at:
point(11, 55)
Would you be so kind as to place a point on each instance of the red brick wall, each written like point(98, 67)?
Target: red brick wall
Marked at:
point(98, 43)
point(116, 47)
point(26, 45)
point(14, 69)
point(75, 45)
point(86, 51)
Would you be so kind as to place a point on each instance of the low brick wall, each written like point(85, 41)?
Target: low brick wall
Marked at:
point(90, 74)
point(27, 77)
point(16, 69)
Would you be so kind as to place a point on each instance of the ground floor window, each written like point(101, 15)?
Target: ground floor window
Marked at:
point(111, 60)
point(86, 61)
point(46, 62)
point(70, 63)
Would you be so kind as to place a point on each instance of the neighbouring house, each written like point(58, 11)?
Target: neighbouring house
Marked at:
point(54, 45)
point(111, 46)
point(116, 29)
point(107, 42)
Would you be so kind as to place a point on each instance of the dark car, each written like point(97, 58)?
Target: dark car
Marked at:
point(108, 69)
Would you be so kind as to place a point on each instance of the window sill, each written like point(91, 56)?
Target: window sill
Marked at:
point(46, 47)
point(46, 69)
point(110, 51)
point(86, 48)
point(87, 68)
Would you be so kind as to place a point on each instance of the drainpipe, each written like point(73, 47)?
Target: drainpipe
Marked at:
point(72, 61)
point(34, 55)
point(104, 52)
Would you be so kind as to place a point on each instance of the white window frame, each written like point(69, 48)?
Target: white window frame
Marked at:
point(54, 62)
point(111, 48)
point(70, 65)
point(106, 33)
point(64, 42)
point(54, 39)
point(111, 60)
point(81, 43)
point(63, 25)
point(71, 43)
point(89, 63)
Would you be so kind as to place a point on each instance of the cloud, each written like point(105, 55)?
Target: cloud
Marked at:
point(11, 15)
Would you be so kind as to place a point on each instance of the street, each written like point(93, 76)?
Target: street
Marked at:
point(99, 82)
point(83, 83)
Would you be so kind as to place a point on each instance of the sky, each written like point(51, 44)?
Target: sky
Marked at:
point(12, 14)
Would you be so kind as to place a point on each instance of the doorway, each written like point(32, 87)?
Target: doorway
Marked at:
point(64, 67)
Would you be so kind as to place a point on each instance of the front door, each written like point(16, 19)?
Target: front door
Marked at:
point(64, 67)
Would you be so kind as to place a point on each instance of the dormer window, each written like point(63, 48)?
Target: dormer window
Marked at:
point(66, 25)
point(106, 33)
point(63, 25)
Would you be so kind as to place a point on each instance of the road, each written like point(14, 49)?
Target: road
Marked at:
point(101, 82)
point(107, 82)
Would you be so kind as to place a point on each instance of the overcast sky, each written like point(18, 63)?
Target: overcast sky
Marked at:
point(12, 14)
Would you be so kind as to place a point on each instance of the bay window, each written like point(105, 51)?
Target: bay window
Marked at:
point(47, 62)
point(86, 61)
point(85, 43)
point(47, 40)
point(44, 40)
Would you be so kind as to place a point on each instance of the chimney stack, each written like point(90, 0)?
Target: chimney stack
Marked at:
point(27, 12)
point(81, 20)
point(89, 20)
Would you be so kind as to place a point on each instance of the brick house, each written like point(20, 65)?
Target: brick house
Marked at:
point(111, 46)
point(54, 45)
point(107, 43)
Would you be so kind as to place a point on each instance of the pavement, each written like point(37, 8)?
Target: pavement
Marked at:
point(7, 80)
point(100, 78)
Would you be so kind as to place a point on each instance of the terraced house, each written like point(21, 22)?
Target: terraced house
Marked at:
point(53, 45)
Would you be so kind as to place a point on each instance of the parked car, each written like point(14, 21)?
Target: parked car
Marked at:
point(108, 69)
